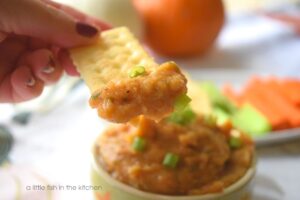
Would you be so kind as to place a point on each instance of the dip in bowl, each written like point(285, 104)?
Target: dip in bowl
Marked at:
point(173, 161)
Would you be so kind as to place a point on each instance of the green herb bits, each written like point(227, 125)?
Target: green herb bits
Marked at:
point(137, 71)
point(139, 144)
point(171, 160)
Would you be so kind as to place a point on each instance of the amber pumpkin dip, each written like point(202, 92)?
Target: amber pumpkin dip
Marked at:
point(150, 93)
point(175, 157)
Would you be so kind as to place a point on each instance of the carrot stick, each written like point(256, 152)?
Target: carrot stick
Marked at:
point(274, 84)
point(254, 95)
point(291, 90)
point(275, 99)
point(277, 121)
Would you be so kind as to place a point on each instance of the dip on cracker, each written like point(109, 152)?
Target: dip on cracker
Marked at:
point(125, 81)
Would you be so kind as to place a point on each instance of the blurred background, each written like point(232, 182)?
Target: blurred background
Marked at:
point(48, 140)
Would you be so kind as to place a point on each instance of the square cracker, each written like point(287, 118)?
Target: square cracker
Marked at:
point(105, 68)
point(111, 58)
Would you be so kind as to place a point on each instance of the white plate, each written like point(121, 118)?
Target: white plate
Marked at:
point(278, 137)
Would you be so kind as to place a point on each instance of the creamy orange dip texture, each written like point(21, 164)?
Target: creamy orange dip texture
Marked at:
point(152, 94)
point(206, 162)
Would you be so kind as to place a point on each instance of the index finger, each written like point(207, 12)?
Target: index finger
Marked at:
point(79, 15)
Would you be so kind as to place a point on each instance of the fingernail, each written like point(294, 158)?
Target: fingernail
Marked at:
point(50, 67)
point(86, 30)
point(30, 82)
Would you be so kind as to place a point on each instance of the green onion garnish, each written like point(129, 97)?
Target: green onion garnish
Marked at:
point(171, 160)
point(137, 71)
point(139, 144)
point(182, 117)
point(95, 96)
point(235, 142)
point(210, 120)
point(181, 102)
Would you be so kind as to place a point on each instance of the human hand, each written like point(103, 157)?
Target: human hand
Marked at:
point(34, 38)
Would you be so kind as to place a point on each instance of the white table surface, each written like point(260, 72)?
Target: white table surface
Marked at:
point(57, 145)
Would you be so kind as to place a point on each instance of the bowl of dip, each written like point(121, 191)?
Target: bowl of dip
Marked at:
point(173, 161)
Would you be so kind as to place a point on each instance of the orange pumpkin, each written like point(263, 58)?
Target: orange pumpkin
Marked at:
point(181, 27)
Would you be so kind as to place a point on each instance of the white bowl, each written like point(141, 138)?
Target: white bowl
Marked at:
point(240, 190)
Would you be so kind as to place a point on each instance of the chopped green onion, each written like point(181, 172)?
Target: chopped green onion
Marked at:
point(182, 117)
point(181, 102)
point(95, 96)
point(137, 71)
point(210, 120)
point(139, 144)
point(235, 142)
point(171, 160)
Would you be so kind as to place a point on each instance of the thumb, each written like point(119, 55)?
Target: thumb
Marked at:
point(36, 19)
